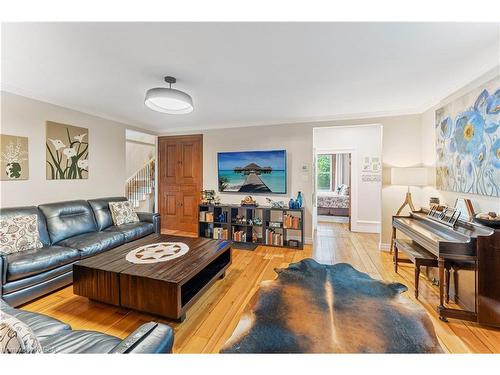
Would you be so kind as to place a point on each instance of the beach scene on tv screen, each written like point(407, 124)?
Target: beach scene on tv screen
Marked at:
point(252, 172)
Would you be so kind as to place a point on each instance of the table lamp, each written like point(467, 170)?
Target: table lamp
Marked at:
point(412, 176)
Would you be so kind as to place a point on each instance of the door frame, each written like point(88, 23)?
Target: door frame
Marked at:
point(159, 189)
point(353, 189)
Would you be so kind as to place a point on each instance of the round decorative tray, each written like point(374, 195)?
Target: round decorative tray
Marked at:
point(489, 223)
point(157, 252)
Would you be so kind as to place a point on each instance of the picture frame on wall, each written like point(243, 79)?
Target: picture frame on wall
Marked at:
point(14, 158)
point(67, 152)
point(468, 142)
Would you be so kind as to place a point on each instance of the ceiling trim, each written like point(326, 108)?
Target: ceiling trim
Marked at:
point(31, 95)
point(341, 117)
point(308, 120)
point(142, 127)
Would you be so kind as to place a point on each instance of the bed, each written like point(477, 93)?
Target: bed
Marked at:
point(333, 203)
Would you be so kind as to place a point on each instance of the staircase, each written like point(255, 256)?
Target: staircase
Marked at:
point(140, 187)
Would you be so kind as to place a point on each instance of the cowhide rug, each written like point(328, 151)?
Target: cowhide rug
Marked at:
point(318, 308)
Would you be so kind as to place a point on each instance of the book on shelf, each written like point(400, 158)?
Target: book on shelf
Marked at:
point(239, 236)
point(207, 216)
point(291, 222)
point(273, 238)
point(220, 234)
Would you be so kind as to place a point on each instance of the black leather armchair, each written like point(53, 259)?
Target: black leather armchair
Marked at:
point(58, 337)
point(69, 231)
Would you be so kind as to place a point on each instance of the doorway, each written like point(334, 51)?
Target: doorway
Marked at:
point(363, 145)
point(333, 187)
point(180, 175)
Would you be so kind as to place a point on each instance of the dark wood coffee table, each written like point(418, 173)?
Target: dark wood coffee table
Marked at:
point(165, 288)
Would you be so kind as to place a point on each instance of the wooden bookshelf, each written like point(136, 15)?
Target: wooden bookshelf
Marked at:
point(254, 224)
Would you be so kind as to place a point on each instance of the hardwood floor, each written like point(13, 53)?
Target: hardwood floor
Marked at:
point(212, 319)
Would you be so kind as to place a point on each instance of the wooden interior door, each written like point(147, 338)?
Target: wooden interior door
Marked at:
point(180, 172)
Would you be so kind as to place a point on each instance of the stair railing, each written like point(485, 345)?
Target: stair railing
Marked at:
point(141, 184)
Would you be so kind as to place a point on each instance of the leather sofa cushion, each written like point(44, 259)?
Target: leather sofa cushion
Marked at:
point(132, 231)
point(29, 210)
point(79, 342)
point(41, 325)
point(68, 219)
point(39, 278)
point(101, 211)
point(21, 296)
point(95, 242)
point(34, 261)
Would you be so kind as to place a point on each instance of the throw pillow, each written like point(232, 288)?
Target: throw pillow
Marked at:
point(16, 336)
point(123, 212)
point(18, 233)
point(343, 190)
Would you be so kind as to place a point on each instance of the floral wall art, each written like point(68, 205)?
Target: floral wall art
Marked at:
point(67, 152)
point(468, 142)
point(13, 157)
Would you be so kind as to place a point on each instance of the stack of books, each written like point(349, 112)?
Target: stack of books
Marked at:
point(239, 236)
point(207, 216)
point(291, 222)
point(220, 234)
point(273, 238)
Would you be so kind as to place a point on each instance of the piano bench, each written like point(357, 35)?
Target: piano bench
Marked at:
point(419, 257)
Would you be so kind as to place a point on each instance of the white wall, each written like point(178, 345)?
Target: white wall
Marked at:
point(296, 140)
point(361, 141)
point(400, 145)
point(137, 155)
point(481, 203)
point(26, 117)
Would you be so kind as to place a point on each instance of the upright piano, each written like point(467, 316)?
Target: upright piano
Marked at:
point(464, 245)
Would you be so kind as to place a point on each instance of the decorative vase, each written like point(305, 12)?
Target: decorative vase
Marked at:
point(291, 203)
point(13, 170)
point(299, 200)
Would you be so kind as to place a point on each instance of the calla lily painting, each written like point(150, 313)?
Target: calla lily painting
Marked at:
point(67, 152)
point(468, 142)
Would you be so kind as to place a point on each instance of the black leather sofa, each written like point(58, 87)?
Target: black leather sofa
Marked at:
point(69, 231)
point(58, 337)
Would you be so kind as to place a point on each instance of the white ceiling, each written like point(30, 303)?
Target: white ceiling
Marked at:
point(245, 73)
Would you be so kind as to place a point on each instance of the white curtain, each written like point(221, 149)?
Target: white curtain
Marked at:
point(342, 169)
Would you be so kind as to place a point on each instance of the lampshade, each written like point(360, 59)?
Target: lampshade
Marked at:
point(169, 100)
point(415, 176)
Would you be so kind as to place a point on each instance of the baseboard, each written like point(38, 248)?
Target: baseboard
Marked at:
point(308, 240)
point(384, 246)
point(366, 226)
point(333, 219)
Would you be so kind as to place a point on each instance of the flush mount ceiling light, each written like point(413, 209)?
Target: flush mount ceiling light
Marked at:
point(169, 100)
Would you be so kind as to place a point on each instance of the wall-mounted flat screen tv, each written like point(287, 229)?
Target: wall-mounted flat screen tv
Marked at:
point(252, 172)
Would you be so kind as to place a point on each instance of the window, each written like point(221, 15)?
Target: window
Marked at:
point(324, 172)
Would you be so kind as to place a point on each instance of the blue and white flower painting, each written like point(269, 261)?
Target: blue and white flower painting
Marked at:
point(468, 142)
